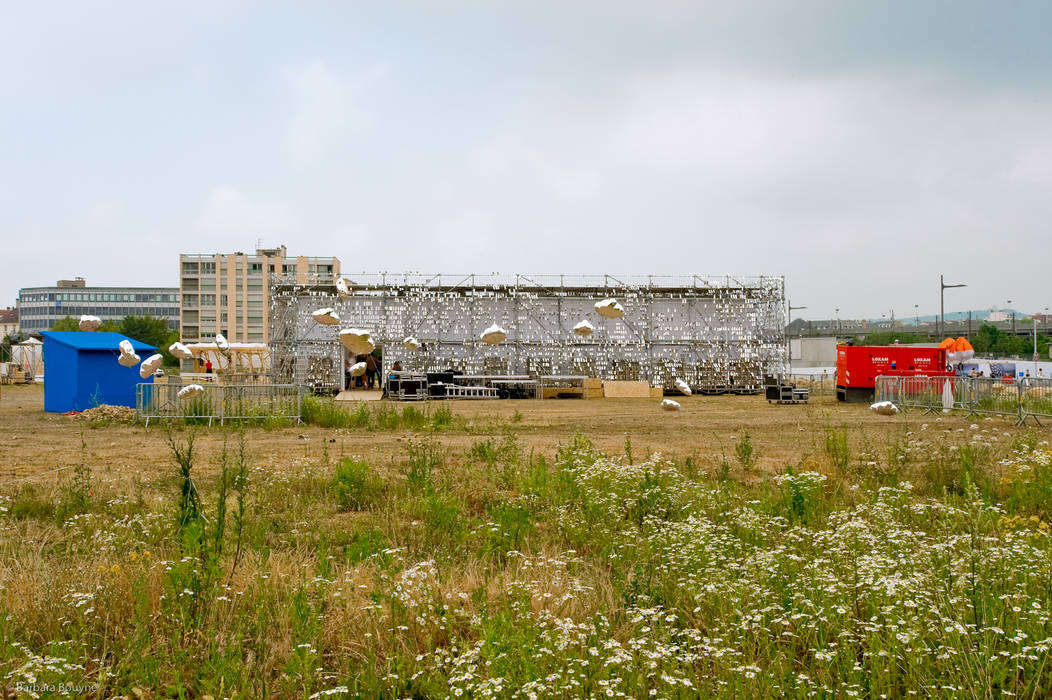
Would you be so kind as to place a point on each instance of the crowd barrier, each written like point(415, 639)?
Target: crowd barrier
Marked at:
point(1025, 398)
point(219, 402)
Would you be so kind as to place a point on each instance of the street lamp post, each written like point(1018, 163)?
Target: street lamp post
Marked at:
point(789, 347)
point(1035, 338)
point(942, 303)
point(1009, 302)
point(916, 316)
point(838, 320)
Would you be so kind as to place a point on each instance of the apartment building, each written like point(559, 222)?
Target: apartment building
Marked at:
point(40, 307)
point(8, 322)
point(230, 293)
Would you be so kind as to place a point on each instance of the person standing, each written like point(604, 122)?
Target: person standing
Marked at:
point(370, 370)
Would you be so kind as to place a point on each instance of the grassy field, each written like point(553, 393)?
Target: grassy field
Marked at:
point(527, 549)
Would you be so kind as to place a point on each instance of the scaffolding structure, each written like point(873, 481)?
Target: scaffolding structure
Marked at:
point(717, 333)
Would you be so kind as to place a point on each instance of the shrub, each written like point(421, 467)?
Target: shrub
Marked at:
point(355, 486)
point(744, 449)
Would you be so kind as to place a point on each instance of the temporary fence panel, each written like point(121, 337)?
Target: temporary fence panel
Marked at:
point(1025, 397)
point(819, 385)
point(1035, 398)
point(220, 402)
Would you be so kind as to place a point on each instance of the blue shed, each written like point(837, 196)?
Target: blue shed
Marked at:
point(81, 370)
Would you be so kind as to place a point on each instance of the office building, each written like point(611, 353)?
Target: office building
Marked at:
point(40, 307)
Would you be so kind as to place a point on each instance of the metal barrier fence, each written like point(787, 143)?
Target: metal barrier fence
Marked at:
point(220, 402)
point(819, 384)
point(1024, 397)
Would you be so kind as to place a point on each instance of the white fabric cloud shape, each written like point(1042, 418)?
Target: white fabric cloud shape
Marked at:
point(89, 323)
point(494, 335)
point(884, 408)
point(326, 317)
point(128, 359)
point(357, 340)
point(584, 329)
point(190, 390)
point(609, 308)
point(180, 351)
point(152, 363)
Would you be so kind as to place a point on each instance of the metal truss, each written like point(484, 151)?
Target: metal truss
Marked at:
point(717, 333)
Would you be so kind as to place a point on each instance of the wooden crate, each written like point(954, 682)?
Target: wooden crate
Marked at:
point(626, 390)
point(594, 393)
point(657, 392)
point(593, 383)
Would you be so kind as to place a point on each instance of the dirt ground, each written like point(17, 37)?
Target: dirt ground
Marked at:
point(33, 443)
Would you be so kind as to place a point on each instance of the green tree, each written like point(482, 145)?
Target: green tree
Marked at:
point(152, 331)
point(67, 323)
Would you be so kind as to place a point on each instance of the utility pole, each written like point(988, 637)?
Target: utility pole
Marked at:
point(942, 302)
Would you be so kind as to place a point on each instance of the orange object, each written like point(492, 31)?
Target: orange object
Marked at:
point(947, 344)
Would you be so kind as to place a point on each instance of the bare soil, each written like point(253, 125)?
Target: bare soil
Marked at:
point(33, 442)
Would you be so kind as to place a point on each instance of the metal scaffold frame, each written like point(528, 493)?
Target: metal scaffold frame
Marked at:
point(717, 333)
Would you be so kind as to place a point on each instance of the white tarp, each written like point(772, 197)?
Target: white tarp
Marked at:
point(29, 355)
point(683, 387)
point(669, 405)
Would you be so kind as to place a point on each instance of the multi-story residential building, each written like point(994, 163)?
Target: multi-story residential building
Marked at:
point(230, 294)
point(40, 307)
point(8, 322)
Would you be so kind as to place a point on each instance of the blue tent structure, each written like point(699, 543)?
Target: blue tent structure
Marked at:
point(81, 370)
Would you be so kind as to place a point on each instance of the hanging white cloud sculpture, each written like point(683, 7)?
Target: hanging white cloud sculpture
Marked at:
point(357, 340)
point(326, 317)
point(89, 323)
point(494, 335)
point(609, 308)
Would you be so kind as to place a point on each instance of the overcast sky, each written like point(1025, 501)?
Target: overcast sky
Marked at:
point(857, 148)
